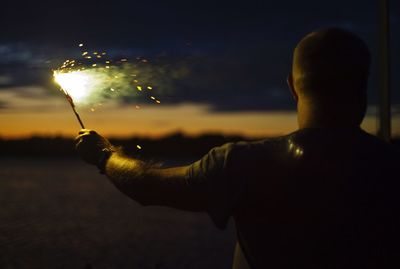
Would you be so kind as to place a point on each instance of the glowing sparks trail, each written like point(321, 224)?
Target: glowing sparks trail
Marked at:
point(97, 78)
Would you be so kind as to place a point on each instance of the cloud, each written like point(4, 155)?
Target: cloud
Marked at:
point(5, 80)
point(234, 57)
point(28, 99)
point(249, 78)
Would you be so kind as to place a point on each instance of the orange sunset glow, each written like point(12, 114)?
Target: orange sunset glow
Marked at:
point(36, 113)
point(152, 121)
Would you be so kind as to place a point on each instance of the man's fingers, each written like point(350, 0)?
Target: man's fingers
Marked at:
point(90, 137)
point(87, 133)
point(83, 131)
point(77, 143)
point(80, 137)
point(89, 145)
point(83, 141)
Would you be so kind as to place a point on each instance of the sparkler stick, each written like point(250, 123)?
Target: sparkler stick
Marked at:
point(71, 102)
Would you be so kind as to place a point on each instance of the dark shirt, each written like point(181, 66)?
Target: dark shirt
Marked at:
point(317, 198)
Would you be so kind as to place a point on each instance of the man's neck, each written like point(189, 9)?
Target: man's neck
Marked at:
point(308, 117)
point(326, 125)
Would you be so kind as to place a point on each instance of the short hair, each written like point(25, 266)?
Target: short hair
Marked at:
point(333, 63)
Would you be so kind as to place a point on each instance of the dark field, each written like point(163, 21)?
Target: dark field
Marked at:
point(61, 213)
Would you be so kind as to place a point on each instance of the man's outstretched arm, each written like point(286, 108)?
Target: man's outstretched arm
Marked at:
point(147, 184)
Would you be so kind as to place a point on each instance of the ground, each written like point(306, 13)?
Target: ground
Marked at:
point(61, 213)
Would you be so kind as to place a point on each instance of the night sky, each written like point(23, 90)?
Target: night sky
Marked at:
point(226, 57)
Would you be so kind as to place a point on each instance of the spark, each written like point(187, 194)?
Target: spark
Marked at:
point(80, 45)
point(152, 97)
point(149, 87)
point(158, 101)
point(138, 146)
point(84, 53)
point(139, 88)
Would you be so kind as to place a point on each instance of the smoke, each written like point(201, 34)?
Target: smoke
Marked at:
point(119, 82)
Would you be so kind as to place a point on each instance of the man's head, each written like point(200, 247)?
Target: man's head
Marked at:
point(329, 76)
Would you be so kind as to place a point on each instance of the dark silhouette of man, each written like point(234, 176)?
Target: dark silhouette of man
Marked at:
point(325, 196)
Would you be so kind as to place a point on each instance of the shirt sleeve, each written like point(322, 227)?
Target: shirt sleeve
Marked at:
point(213, 176)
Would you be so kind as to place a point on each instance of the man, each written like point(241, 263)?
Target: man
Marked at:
point(324, 196)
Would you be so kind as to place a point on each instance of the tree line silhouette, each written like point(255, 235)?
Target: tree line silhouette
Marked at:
point(176, 145)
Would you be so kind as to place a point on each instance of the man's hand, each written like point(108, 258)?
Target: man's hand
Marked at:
point(90, 146)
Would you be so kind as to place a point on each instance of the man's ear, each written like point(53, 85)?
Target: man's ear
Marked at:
point(289, 81)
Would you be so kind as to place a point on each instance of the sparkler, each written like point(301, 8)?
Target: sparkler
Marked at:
point(72, 81)
point(99, 78)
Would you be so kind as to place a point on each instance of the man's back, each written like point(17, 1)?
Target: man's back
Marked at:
point(318, 198)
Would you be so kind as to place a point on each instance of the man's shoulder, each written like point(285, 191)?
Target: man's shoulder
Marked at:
point(260, 143)
point(334, 139)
